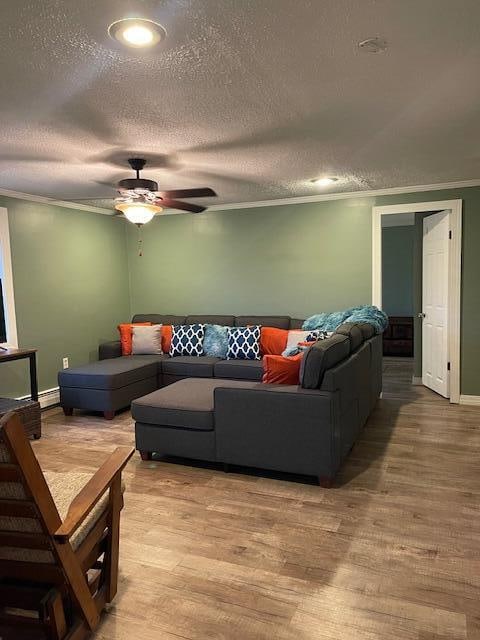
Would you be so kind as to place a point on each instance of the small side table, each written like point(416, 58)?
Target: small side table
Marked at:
point(8, 355)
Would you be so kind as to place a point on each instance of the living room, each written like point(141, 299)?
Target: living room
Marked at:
point(283, 475)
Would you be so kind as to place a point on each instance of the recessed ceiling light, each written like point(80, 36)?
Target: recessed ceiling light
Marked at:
point(137, 32)
point(325, 181)
point(373, 45)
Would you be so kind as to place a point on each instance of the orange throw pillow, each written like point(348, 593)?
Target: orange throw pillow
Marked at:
point(125, 330)
point(273, 341)
point(280, 370)
point(166, 337)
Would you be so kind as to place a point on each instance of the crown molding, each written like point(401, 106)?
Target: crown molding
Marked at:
point(57, 203)
point(276, 202)
point(346, 195)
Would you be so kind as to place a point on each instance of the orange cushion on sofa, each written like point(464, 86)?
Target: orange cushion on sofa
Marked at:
point(166, 337)
point(280, 370)
point(125, 330)
point(273, 341)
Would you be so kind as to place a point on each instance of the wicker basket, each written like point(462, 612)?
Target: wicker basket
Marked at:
point(29, 413)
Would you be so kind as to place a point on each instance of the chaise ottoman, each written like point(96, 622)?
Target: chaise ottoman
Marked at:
point(108, 385)
point(179, 419)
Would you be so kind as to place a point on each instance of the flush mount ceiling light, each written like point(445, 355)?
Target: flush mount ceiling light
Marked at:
point(373, 45)
point(325, 181)
point(137, 32)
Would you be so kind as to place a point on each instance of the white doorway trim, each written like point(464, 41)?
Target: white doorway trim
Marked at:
point(454, 273)
point(8, 294)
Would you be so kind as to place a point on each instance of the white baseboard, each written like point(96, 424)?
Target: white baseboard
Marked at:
point(471, 400)
point(46, 398)
point(417, 381)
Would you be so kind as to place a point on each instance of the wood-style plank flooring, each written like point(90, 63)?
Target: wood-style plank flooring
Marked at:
point(392, 552)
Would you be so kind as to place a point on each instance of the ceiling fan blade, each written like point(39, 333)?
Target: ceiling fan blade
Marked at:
point(168, 203)
point(188, 193)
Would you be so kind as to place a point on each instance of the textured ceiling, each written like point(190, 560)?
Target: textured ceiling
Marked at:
point(250, 97)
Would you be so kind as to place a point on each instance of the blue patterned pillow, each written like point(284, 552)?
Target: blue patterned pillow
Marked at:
point(244, 343)
point(215, 343)
point(187, 340)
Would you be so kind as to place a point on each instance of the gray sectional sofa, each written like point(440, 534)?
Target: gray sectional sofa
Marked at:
point(219, 410)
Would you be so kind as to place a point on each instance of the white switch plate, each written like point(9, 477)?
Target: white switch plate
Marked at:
point(65, 363)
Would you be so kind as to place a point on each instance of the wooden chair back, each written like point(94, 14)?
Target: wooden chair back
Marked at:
point(38, 566)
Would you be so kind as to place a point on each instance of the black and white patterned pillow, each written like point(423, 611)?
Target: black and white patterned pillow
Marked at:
point(187, 340)
point(244, 343)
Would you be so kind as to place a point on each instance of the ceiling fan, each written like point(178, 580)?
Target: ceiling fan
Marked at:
point(139, 199)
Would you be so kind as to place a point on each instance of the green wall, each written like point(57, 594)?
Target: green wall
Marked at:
point(293, 259)
point(71, 287)
point(397, 270)
point(77, 274)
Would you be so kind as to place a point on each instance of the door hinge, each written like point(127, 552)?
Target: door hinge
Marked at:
point(449, 235)
point(448, 366)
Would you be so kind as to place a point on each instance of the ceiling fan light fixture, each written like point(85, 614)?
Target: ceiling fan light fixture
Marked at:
point(138, 212)
point(138, 33)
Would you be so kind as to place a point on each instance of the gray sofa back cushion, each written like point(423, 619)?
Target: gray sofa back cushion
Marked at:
point(280, 322)
point(224, 321)
point(367, 329)
point(158, 318)
point(353, 331)
point(323, 355)
point(296, 323)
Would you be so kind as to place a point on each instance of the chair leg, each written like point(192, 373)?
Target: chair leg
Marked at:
point(68, 411)
point(145, 455)
point(111, 556)
point(56, 615)
point(109, 415)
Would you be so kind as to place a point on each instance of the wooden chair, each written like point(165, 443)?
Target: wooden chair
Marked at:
point(58, 557)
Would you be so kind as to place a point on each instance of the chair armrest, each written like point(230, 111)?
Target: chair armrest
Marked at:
point(91, 493)
point(109, 350)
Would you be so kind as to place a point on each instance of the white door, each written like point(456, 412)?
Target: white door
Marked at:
point(435, 356)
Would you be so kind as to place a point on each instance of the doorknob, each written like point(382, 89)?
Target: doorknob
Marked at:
point(422, 315)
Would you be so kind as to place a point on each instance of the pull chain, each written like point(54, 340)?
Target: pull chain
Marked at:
point(140, 241)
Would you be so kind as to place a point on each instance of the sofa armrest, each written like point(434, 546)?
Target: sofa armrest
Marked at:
point(110, 350)
point(279, 427)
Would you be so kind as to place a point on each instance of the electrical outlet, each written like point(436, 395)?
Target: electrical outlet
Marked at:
point(65, 363)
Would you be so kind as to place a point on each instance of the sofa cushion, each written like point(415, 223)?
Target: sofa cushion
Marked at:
point(296, 323)
point(111, 374)
point(197, 367)
point(281, 322)
point(147, 340)
point(353, 331)
point(187, 340)
point(273, 341)
point(367, 329)
point(243, 343)
point(158, 318)
point(187, 404)
point(280, 370)
point(215, 342)
point(239, 369)
point(224, 321)
point(323, 355)
point(126, 335)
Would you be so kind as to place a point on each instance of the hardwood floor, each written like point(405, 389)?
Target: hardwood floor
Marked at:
point(392, 551)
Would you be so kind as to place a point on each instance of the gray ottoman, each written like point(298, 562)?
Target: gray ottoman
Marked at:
point(108, 385)
point(179, 420)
